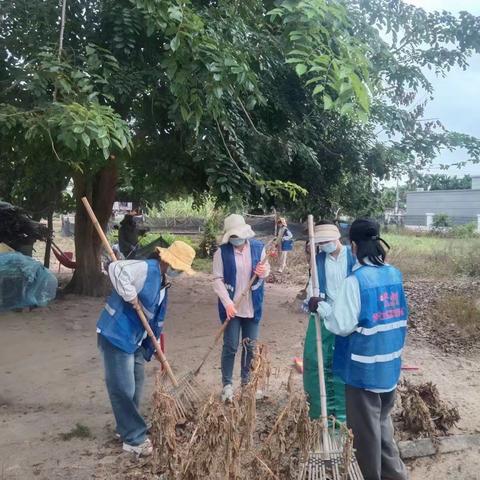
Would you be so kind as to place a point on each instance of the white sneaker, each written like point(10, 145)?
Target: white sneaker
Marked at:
point(227, 393)
point(145, 449)
point(260, 395)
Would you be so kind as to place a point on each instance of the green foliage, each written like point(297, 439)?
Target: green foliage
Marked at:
point(440, 182)
point(441, 220)
point(323, 51)
point(469, 230)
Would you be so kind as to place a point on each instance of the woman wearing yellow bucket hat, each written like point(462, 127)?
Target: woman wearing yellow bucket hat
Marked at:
point(124, 342)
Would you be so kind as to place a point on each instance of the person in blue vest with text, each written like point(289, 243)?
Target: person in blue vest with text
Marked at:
point(239, 257)
point(369, 317)
point(123, 341)
point(284, 242)
point(334, 263)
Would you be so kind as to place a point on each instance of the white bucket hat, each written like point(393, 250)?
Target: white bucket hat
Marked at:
point(235, 225)
point(326, 233)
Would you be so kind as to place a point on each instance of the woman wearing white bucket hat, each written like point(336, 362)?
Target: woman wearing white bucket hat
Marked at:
point(239, 257)
point(334, 263)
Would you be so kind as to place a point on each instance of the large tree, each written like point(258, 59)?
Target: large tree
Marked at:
point(254, 100)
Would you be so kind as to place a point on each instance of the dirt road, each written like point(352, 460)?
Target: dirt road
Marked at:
point(51, 379)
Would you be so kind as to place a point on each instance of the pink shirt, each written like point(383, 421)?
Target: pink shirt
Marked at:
point(243, 263)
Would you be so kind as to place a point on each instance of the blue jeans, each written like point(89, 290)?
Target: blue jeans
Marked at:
point(125, 376)
point(231, 339)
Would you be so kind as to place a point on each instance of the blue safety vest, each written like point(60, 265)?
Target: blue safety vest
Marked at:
point(119, 322)
point(370, 357)
point(287, 245)
point(230, 277)
point(321, 271)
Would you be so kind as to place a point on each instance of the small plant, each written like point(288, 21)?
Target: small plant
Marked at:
point(441, 220)
point(79, 431)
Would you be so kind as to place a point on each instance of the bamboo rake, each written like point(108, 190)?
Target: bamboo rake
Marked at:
point(138, 308)
point(239, 301)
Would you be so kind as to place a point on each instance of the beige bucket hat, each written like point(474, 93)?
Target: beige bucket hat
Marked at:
point(326, 233)
point(179, 256)
point(235, 225)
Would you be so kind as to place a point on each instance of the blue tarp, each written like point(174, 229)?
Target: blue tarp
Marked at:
point(24, 282)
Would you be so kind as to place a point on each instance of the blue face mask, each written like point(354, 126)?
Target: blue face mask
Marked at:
point(173, 273)
point(237, 242)
point(329, 247)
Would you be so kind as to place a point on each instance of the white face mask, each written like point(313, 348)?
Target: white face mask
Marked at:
point(237, 242)
point(329, 247)
point(173, 273)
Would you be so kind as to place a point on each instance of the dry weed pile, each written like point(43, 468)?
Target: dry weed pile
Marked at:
point(243, 440)
point(424, 413)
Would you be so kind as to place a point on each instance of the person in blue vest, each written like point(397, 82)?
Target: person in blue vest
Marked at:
point(369, 318)
point(284, 242)
point(123, 341)
point(334, 263)
point(239, 258)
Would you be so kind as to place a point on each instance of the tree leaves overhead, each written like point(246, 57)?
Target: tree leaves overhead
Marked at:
point(255, 100)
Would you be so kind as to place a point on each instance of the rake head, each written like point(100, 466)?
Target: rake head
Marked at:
point(334, 459)
point(186, 396)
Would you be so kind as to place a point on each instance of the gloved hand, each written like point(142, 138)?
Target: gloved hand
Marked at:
point(313, 304)
point(260, 270)
point(231, 311)
point(324, 310)
point(135, 303)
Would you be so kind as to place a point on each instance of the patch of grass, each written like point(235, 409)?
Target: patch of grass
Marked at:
point(432, 256)
point(460, 313)
point(202, 265)
point(79, 431)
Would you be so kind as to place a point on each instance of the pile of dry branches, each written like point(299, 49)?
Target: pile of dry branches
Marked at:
point(423, 412)
point(242, 440)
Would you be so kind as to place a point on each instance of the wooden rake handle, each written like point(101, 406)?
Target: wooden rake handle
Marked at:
point(158, 349)
point(318, 331)
point(239, 301)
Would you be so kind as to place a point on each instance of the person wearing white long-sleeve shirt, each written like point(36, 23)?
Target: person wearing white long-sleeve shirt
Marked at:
point(122, 339)
point(369, 317)
point(234, 263)
point(334, 263)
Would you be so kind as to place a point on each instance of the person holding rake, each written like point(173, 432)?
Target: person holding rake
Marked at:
point(238, 259)
point(123, 340)
point(369, 318)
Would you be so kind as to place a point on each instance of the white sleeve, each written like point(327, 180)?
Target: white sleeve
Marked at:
point(267, 263)
point(288, 236)
point(128, 277)
point(345, 313)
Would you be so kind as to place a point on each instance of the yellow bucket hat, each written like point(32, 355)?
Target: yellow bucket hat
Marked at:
point(179, 256)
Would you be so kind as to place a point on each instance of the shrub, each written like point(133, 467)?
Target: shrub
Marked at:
point(469, 230)
point(441, 220)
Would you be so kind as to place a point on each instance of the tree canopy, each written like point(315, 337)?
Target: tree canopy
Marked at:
point(298, 104)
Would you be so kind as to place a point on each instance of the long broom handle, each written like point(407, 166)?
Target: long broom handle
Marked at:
point(321, 373)
point(227, 321)
point(158, 349)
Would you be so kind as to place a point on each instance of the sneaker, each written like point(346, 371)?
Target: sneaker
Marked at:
point(145, 449)
point(227, 393)
point(260, 395)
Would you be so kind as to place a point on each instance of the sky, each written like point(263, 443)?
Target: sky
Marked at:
point(457, 97)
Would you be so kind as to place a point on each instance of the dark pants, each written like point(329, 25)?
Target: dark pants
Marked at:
point(124, 376)
point(231, 339)
point(368, 415)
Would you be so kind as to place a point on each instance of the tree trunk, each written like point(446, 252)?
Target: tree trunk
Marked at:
point(48, 245)
point(88, 278)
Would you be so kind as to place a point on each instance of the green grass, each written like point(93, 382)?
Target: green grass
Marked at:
point(432, 256)
point(79, 431)
point(202, 265)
